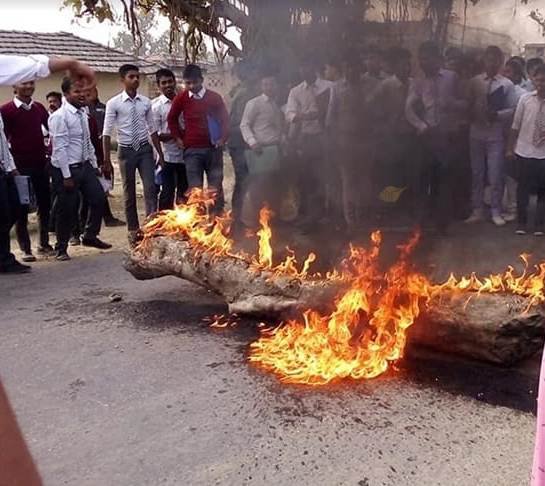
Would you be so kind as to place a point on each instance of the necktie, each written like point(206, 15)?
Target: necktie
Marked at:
point(539, 129)
point(136, 128)
point(86, 136)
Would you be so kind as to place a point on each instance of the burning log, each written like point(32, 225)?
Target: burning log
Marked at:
point(354, 322)
point(495, 327)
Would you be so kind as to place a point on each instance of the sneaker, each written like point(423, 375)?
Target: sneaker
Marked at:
point(498, 220)
point(113, 222)
point(475, 217)
point(15, 267)
point(75, 241)
point(95, 243)
point(28, 257)
point(521, 230)
point(46, 250)
point(509, 217)
point(62, 256)
point(539, 232)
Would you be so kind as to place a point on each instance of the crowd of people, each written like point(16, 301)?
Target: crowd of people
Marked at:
point(463, 140)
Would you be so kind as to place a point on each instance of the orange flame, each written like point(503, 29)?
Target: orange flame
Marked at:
point(367, 330)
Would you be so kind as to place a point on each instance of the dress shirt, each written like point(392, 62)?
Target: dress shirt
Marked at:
point(262, 122)
point(479, 88)
point(19, 103)
point(19, 69)
point(161, 108)
point(199, 95)
point(387, 106)
point(525, 123)
point(119, 115)
point(303, 100)
point(7, 163)
point(435, 102)
point(71, 139)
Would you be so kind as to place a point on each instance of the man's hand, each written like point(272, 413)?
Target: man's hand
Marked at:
point(257, 148)
point(180, 143)
point(76, 70)
point(69, 184)
point(107, 169)
point(510, 154)
point(423, 129)
point(161, 160)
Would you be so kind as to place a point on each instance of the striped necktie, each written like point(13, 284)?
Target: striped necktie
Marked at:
point(137, 128)
point(539, 129)
point(86, 136)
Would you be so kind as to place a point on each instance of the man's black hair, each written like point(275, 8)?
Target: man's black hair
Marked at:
point(164, 73)
point(192, 71)
point(123, 70)
point(397, 54)
point(540, 69)
point(54, 94)
point(533, 62)
point(494, 51)
point(516, 66)
point(518, 59)
point(66, 84)
point(430, 48)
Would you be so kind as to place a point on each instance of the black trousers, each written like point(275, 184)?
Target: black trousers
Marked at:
point(9, 209)
point(531, 179)
point(86, 182)
point(240, 166)
point(40, 182)
point(174, 185)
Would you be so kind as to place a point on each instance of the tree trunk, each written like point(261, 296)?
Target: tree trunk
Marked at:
point(492, 327)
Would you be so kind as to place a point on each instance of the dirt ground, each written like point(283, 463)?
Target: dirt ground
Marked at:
point(143, 392)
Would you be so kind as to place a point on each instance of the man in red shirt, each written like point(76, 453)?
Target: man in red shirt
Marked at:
point(205, 132)
point(23, 122)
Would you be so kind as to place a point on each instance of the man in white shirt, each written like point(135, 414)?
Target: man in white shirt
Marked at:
point(13, 70)
point(173, 174)
point(262, 128)
point(306, 111)
point(527, 146)
point(492, 100)
point(74, 168)
point(131, 114)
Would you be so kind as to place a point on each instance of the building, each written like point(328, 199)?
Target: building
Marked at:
point(104, 60)
point(534, 50)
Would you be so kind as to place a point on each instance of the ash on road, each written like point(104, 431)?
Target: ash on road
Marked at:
point(143, 392)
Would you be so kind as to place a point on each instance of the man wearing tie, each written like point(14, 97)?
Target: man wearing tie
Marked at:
point(74, 168)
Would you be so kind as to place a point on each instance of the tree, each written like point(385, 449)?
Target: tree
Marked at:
point(267, 24)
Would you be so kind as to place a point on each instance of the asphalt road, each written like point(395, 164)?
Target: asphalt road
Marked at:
point(143, 392)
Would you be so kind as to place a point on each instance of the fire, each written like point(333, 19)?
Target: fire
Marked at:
point(366, 330)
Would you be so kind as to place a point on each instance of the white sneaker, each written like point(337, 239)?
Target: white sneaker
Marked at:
point(476, 217)
point(498, 220)
point(509, 217)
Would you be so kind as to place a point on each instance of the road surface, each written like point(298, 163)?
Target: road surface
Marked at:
point(144, 392)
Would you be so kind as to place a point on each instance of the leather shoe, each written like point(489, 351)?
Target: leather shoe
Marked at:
point(95, 243)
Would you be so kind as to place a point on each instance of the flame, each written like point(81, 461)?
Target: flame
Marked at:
point(366, 331)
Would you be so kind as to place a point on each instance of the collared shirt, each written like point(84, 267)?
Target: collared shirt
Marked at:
point(307, 99)
point(262, 122)
point(7, 163)
point(161, 108)
point(19, 69)
point(435, 102)
point(18, 103)
point(199, 95)
point(388, 106)
point(525, 123)
point(119, 116)
point(71, 138)
point(480, 87)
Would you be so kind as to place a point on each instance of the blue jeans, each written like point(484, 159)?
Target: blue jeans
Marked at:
point(209, 161)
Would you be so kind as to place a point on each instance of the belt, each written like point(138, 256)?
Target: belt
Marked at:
point(142, 145)
point(79, 164)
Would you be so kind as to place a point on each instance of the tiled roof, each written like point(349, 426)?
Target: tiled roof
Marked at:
point(101, 58)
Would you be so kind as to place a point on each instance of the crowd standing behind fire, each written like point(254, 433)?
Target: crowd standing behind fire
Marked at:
point(336, 142)
point(464, 140)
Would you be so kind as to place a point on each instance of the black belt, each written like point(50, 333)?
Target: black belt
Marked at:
point(144, 144)
point(79, 164)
